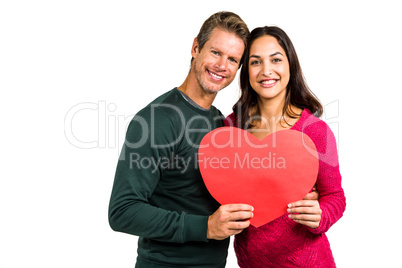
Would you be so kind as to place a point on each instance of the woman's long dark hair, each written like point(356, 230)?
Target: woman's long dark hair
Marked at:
point(297, 92)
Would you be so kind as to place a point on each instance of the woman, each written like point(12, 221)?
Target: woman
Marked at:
point(274, 96)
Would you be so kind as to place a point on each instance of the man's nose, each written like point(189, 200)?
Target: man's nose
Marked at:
point(222, 63)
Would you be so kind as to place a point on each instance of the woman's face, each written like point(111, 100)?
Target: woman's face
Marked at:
point(268, 68)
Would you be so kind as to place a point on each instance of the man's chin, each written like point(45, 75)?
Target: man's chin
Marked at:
point(213, 90)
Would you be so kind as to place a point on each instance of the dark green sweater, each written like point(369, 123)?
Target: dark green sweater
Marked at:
point(158, 193)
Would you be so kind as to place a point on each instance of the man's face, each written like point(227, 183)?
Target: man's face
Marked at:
point(216, 65)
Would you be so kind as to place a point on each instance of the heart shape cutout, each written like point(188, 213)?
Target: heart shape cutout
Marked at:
point(268, 174)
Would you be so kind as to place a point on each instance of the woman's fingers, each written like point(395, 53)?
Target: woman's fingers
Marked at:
point(306, 212)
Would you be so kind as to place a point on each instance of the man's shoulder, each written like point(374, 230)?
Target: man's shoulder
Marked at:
point(169, 97)
point(215, 111)
point(160, 105)
point(172, 107)
point(166, 110)
point(160, 115)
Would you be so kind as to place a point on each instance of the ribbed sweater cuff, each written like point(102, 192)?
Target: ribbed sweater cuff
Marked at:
point(195, 228)
point(322, 227)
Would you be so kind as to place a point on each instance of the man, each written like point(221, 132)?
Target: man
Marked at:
point(158, 193)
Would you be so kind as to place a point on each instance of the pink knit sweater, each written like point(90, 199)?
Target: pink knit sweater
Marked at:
point(285, 243)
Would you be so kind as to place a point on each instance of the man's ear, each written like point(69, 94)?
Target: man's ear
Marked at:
point(194, 49)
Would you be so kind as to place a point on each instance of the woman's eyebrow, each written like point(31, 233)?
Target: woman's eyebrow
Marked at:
point(273, 54)
point(276, 53)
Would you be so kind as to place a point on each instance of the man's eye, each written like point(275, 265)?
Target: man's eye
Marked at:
point(233, 60)
point(215, 52)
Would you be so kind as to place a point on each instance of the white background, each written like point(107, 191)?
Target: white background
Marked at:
point(113, 57)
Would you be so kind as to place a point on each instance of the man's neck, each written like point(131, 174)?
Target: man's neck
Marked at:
point(195, 92)
point(193, 103)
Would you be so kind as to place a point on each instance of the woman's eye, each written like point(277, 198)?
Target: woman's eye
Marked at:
point(276, 60)
point(254, 62)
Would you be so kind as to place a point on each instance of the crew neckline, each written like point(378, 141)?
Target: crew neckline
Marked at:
point(191, 102)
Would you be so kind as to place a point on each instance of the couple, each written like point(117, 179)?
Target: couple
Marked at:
point(178, 222)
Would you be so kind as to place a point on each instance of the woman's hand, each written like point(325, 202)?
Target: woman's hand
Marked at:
point(308, 212)
point(313, 195)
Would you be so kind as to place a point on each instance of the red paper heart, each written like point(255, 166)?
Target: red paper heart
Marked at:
point(268, 174)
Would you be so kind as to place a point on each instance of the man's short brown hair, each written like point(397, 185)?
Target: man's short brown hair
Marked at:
point(227, 21)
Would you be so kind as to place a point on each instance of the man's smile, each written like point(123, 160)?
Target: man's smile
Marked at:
point(215, 76)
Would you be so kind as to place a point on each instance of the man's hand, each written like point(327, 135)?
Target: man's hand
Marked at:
point(229, 220)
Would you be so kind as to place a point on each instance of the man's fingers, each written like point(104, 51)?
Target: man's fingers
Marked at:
point(238, 225)
point(241, 215)
point(229, 220)
point(237, 207)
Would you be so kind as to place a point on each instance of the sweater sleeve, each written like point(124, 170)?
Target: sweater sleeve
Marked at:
point(332, 198)
point(130, 209)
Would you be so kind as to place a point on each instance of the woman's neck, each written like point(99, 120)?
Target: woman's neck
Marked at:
point(271, 110)
point(272, 118)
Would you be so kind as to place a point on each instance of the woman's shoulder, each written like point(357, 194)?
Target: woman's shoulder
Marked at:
point(230, 120)
point(320, 133)
point(309, 122)
point(313, 126)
